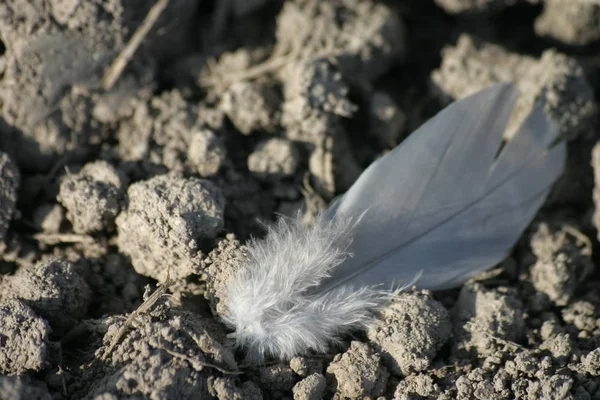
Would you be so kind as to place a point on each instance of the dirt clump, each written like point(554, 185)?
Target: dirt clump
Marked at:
point(53, 289)
point(410, 331)
point(26, 344)
point(12, 387)
point(359, 372)
point(93, 197)
point(573, 23)
point(164, 221)
point(310, 388)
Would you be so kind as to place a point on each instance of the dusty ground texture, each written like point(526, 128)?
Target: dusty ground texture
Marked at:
point(233, 111)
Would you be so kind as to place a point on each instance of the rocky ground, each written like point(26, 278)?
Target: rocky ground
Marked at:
point(232, 111)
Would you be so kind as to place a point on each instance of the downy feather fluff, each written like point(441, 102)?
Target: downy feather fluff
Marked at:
point(445, 204)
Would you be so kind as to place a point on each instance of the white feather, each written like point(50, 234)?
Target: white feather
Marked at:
point(442, 206)
point(445, 202)
point(271, 302)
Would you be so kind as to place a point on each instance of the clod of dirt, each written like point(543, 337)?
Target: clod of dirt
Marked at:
point(17, 388)
point(55, 54)
point(9, 185)
point(53, 290)
point(525, 377)
point(473, 6)
point(48, 218)
point(591, 362)
point(218, 269)
point(365, 37)
point(99, 23)
point(357, 373)
point(386, 119)
point(556, 387)
point(316, 97)
point(572, 22)
point(310, 388)
point(474, 385)
point(582, 314)
point(43, 100)
point(171, 132)
point(93, 197)
point(316, 100)
point(25, 344)
point(276, 378)
point(410, 331)
point(206, 152)
point(558, 343)
point(164, 354)
point(274, 159)
point(563, 261)
point(484, 318)
point(560, 347)
point(528, 363)
point(164, 222)
point(304, 366)
point(555, 79)
point(50, 113)
point(416, 386)
point(251, 107)
point(225, 388)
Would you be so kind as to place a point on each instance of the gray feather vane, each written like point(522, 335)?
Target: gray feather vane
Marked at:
point(446, 203)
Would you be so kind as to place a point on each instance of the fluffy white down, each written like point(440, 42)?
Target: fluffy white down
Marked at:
point(271, 304)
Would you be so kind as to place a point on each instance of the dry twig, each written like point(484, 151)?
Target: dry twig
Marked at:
point(119, 64)
point(59, 238)
point(143, 308)
point(195, 363)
